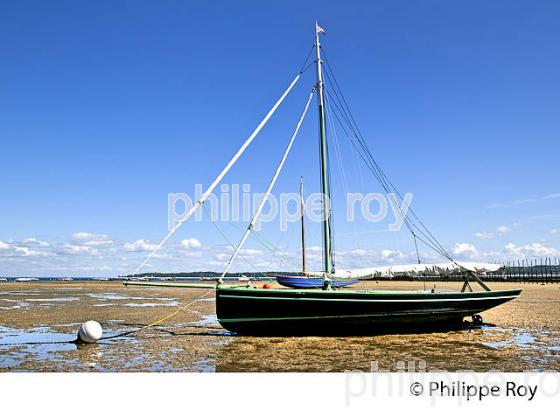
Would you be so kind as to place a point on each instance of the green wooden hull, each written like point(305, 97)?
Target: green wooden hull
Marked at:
point(256, 311)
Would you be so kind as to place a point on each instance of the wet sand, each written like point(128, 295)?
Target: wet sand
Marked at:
point(525, 335)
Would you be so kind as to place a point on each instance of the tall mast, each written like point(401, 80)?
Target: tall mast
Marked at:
point(302, 209)
point(324, 162)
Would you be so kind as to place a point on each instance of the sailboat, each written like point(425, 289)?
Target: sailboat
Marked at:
point(306, 281)
point(252, 310)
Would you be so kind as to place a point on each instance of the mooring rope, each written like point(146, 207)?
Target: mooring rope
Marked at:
point(123, 334)
point(160, 320)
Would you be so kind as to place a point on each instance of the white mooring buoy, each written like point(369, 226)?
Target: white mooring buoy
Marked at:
point(90, 332)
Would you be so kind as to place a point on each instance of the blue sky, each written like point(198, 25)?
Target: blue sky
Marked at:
point(106, 107)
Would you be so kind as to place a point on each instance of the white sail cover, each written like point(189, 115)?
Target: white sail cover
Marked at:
point(417, 270)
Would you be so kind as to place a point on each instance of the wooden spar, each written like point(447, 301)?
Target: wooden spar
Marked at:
point(269, 189)
point(222, 174)
point(302, 209)
point(171, 285)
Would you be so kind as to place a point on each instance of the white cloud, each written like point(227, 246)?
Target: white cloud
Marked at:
point(360, 258)
point(87, 236)
point(35, 242)
point(108, 242)
point(502, 229)
point(4, 245)
point(191, 243)
point(72, 249)
point(358, 252)
point(250, 252)
point(139, 246)
point(389, 255)
point(192, 254)
point(92, 239)
point(484, 235)
point(222, 256)
point(464, 249)
point(25, 251)
point(534, 249)
point(553, 231)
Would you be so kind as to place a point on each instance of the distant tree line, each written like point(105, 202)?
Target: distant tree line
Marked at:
point(206, 274)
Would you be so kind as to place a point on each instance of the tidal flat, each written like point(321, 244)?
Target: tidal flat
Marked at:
point(39, 322)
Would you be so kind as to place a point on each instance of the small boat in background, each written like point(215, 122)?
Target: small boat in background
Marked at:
point(306, 282)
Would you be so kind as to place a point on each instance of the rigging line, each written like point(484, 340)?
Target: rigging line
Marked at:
point(332, 221)
point(274, 250)
point(288, 243)
point(338, 155)
point(409, 223)
point(341, 114)
point(344, 103)
point(307, 67)
point(418, 259)
point(223, 234)
point(340, 163)
point(303, 66)
point(405, 219)
point(286, 248)
point(334, 137)
point(267, 245)
point(336, 145)
point(328, 205)
point(372, 168)
point(338, 90)
point(330, 210)
point(232, 161)
point(161, 320)
point(386, 184)
point(264, 242)
point(377, 173)
point(351, 121)
point(357, 170)
point(425, 242)
point(360, 137)
point(374, 171)
point(270, 186)
point(416, 246)
point(427, 231)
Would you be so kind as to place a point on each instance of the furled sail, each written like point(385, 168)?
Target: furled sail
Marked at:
point(419, 270)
